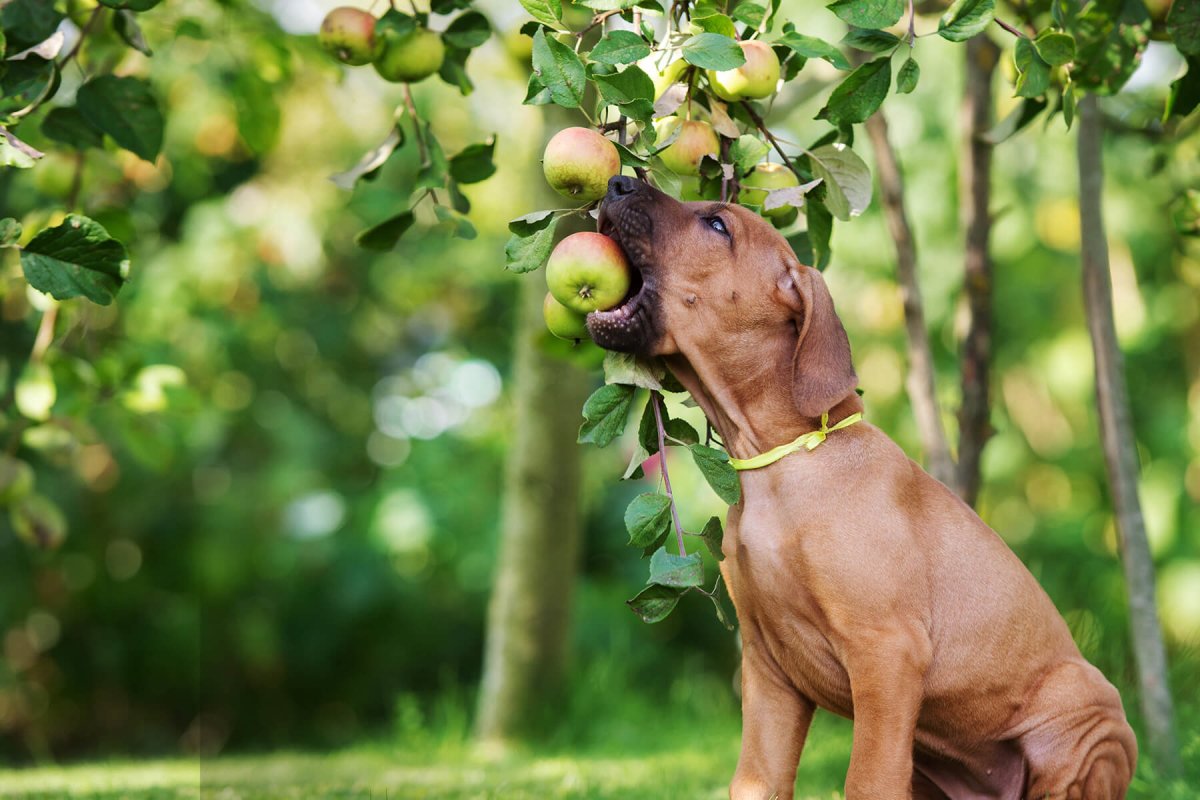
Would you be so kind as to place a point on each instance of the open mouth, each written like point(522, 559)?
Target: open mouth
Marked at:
point(627, 326)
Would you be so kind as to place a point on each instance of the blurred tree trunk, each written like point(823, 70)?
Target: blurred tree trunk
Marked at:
point(921, 383)
point(1120, 448)
point(528, 626)
point(974, 181)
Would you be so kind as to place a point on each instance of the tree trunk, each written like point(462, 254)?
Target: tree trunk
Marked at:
point(1120, 449)
point(922, 382)
point(541, 529)
point(974, 180)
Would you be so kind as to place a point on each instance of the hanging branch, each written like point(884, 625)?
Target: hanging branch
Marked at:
point(921, 384)
point(1120, 449)
point(975, 173)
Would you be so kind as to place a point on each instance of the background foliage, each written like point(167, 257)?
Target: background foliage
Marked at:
point(278, 455)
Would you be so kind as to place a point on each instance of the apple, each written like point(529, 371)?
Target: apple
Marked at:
point(562, 321)
point(763, 177)
point(753, 80)
point(588, 272)
point(663, 78)
point(407, 54)
point(578, 163)
point(349, 35)
point(696, 140)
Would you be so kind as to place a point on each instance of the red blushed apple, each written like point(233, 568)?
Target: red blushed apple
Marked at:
point(763, 177)
point(562, 321)
point(753, 80)
point(578, 163)
point(588, 272)
point(349, 35)
point(696, 140)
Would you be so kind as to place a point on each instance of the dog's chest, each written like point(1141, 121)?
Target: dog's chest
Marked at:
point(779, 613)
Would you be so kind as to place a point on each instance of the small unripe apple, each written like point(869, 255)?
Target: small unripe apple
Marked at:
point(665, 77)
point(588, 272)
point(407, 56)
point(754, 80)
point(349, 35)
point(562, 321)
point(763, 177)
point(578, 163)
point(695, 141)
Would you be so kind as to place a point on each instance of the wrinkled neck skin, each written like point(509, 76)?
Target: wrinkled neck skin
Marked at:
point(750, 407)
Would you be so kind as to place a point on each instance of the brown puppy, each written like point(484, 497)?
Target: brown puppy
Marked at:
point(862, 585)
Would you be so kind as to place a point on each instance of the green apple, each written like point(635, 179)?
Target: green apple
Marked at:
point(762, 178)
point(562, 321)
point(407, 54)
point(754, 80)
point(578, 163)
point(588, 272)
point(16, 479)
point(663, 78)
point(349, 35)
point(696, 140)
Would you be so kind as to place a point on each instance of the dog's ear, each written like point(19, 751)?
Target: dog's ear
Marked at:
point(822, 372)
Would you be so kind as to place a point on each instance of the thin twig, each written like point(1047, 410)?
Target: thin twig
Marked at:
point(599, 19)
point(45, 333)
point(412, 112)
point(1011, 29)
point(655, 399)
point(912, 22)
point(762, 126)
point(83, 34)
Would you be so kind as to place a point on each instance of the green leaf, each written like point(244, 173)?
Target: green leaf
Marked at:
point(860, 94)
point(716, 23)
point(10, 233)
point(812, 47)
point(714, 466)
point(126, 26)
point(1068, 105)
point(965, 19)
point(870, 41)
point(126, 110)
point(256, 109)
point(869, 13)
point(455, 223)
point(1183, 25)
point(654, 603)
point(454, 70)
point(1185, 92)
point(559, 70)
point(667, 569)
point(67, 126)
point(1055, 47)
point(526, 252)
point(1033, 77)
point(1025, 112)
point(547, 12)
point(15, 153)
point(369, 165)
point(474, 162)
point(713, 51)
point(132, 5)
point(713, 535)
point(630, 158)
point(906, 79)
point(847, 179)
point(467, 31)
point(625, 87)
point(619, 47)
point(1110, 37)
point(630, 370)
point(77, 258)
point(750, 14)
point(384, 235)
point(605, 413)
point(746, 152)
point(35, 392)
point(820, 230)
point(26, 83)
point(531, 223)
point(647, 517)
point(28, 22)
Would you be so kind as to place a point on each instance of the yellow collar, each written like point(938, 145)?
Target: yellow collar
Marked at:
point(805, 441)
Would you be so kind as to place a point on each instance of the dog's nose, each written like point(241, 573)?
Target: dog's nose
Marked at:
point(622, 186)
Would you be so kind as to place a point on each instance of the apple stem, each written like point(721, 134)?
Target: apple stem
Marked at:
point(655, 399)
point(412, 112)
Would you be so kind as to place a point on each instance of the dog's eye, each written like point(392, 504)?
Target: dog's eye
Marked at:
point(718, 225)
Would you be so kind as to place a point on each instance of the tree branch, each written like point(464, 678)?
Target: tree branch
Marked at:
point(762, 126)
point(1120, 448)
point(921, 383)
point(975, 173)
point(655, 399)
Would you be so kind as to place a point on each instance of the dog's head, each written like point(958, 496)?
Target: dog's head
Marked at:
point(717, 281)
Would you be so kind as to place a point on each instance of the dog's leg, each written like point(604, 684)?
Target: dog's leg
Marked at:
point(775, 720)
point(886, 669)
